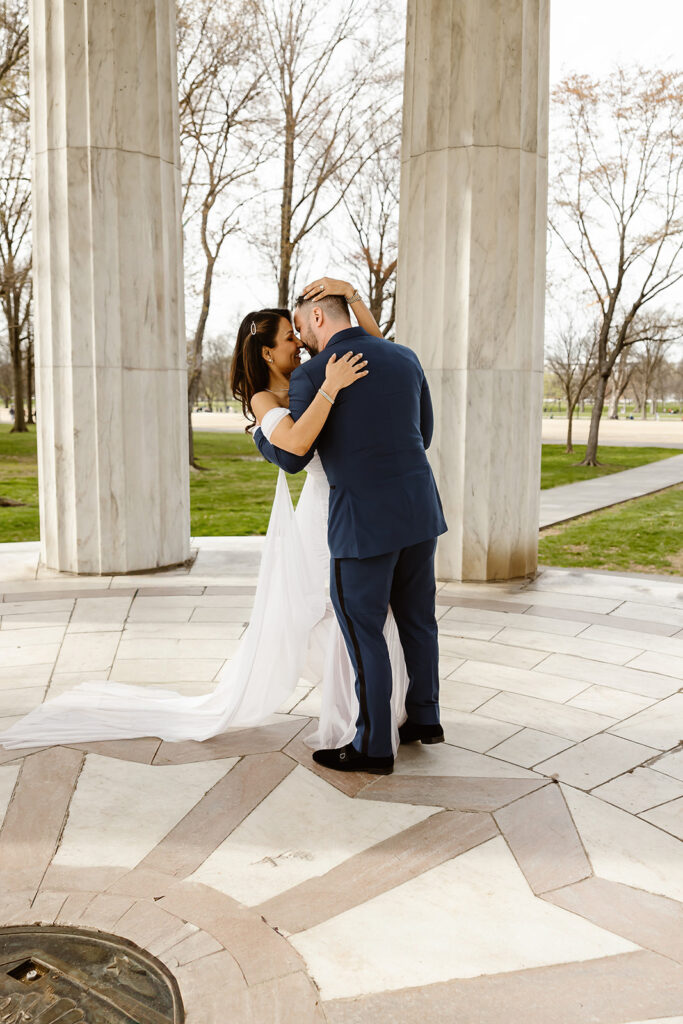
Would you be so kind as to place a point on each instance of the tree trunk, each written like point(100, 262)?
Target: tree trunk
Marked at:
point(283, 281)
point(11, 306)
point(643, 411)
point(613, 407)
point(376, 292)
point(190, 435)
point(570, 420)
point(19, 426)
point(192, 391)
point(195, 368)
point(616, 397)
point(591, 456)
point(389, 326)
point(30, 380)
point(286, 213)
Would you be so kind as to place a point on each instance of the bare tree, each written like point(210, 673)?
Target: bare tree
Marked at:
point(222, 144)
point(572, 360)
point(618, 189)
point(6, 385)
point(30, 362)
point(372, 208)
point(15, 190)
point(322, 75)
point(672, 384)
point(14, 57)
point(217, 363)
point(656, 339)
point(677, 383)
point(15, 249)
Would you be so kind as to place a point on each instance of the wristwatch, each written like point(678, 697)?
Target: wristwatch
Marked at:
point(355, 297)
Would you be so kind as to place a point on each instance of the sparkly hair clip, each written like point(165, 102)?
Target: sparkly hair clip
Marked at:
point(253, 327)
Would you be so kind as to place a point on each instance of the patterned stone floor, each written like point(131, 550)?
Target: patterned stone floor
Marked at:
point(528, 871)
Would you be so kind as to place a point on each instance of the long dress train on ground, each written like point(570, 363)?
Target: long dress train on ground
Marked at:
point(293, 633)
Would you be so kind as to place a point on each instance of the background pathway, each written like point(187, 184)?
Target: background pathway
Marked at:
point(571, 500)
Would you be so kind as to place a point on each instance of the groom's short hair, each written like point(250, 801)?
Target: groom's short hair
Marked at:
point(336, 306)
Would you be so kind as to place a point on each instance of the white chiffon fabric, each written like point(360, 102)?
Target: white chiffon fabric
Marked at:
point(293, 635)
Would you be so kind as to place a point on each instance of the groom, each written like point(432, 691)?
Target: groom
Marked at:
point(385, 515)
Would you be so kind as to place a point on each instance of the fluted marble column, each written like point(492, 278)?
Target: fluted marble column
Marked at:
point(472, 266)
point(110, 335)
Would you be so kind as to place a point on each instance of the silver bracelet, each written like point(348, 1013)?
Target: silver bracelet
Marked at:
point(354, 298)
point(330, 400)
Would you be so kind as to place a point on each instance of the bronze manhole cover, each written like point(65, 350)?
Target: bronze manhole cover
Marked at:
point(71, 976)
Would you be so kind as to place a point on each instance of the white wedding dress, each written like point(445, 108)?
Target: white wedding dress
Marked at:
point(293, 635)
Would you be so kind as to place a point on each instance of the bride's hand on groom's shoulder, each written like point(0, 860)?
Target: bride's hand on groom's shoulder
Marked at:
point(323, 286)
point(340, 373)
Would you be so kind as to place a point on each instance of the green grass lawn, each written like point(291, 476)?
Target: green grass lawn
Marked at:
point(233, 493)
point(557, 467)
point(643, 535)
point(19, 481)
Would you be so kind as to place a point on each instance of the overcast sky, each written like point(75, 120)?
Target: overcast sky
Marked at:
point(589, 36)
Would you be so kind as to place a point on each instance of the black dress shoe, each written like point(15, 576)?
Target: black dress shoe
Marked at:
point(410, 732)
point(347, 759)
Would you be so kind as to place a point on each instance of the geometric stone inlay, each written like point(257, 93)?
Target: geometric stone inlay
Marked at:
point(253, 873)
point(446, 914)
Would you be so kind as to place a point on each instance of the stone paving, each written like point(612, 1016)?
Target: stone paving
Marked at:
point(528, 871)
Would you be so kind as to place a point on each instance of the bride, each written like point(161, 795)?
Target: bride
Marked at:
point(293, 633)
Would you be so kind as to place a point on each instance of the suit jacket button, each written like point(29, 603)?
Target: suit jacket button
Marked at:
point(333, 487)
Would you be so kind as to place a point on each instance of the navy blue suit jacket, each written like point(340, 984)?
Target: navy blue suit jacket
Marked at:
point(383, 496)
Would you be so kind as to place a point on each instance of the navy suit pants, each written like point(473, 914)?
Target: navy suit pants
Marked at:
point(361, 590)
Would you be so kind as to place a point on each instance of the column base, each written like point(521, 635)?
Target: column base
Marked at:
point(186, 564)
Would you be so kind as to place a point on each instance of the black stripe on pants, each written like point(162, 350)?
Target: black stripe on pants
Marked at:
point(363, 696)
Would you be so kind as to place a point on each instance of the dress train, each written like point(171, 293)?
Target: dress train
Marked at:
point(293, 633)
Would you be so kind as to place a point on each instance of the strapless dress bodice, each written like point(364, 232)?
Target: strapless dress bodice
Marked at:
point(268, 425)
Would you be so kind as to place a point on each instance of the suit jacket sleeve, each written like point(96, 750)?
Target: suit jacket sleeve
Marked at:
point(285, 460)
point(302, 391)
point(426, 414)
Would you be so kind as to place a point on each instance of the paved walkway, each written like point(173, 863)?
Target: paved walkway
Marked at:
point(527, 871)
point(664, 433)
point(571, 500)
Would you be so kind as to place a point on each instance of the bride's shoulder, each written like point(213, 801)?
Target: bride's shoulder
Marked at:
point(261, 402)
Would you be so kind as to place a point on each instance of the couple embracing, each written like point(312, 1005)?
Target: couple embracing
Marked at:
point(360, 409)
point(357, 416)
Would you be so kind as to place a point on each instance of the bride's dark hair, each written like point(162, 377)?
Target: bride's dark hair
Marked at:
point(249, 373)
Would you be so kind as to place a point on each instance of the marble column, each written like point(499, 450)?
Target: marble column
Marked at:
point(110, 335)
point(472, 266)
